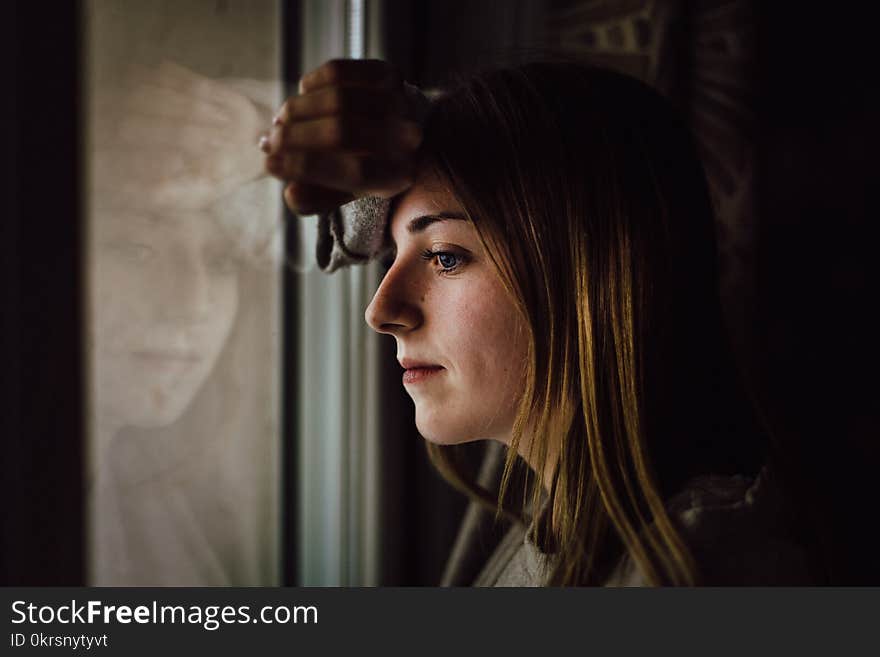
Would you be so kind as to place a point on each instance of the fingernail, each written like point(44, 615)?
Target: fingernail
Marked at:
point(299, 87)
point(277, 121)
point(264, 144)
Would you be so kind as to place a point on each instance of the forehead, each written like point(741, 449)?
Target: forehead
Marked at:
point(428, 195)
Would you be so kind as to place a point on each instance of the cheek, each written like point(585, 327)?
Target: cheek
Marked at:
point(119, 297)
point(124, 288)
point(225, 308)
point(491, 345)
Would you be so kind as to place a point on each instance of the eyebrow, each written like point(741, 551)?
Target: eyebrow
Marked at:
point(419, 224)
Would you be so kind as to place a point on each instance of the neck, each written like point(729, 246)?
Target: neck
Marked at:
point(530, 454)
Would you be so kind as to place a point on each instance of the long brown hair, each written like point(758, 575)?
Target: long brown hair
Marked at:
point(587, 193)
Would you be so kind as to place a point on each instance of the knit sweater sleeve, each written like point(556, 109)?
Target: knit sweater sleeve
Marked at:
point(355, 233)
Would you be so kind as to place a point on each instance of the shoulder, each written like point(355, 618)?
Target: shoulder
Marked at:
point(516, 562)
point(736, 529)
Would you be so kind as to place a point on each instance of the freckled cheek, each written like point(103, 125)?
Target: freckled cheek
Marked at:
point(482, 346)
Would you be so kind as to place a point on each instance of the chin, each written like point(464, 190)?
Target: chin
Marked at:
point(158, 416)
point(443, 439)
point(442, 432)
point(153, 408)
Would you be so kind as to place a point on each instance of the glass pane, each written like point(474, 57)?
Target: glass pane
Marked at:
point(184, 289)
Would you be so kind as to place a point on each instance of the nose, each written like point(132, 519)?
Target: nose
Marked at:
point(394, 308)
point(187, 292)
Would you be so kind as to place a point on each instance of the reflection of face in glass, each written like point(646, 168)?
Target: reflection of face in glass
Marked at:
point(165, 297)
point(175, 200)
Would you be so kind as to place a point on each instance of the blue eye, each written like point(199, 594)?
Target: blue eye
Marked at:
point(447, 260)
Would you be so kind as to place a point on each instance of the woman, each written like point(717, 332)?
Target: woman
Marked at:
point(552, 287)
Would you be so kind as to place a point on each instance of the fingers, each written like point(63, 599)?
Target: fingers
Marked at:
point(345, 136)
point(353, 174)
point(333, 101)
point(368, 72)
point(349, 134)
point(302, 198)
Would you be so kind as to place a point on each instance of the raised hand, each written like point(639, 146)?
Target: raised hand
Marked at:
point(346, 135)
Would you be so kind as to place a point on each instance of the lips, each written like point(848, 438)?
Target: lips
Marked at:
point(420, 374)
point(418, 371)
point(412, 364)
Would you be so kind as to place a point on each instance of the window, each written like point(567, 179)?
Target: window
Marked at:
point(183, 259)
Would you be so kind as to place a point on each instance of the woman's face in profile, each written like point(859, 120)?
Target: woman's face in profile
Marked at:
point(165, 298)
point(444, 304)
